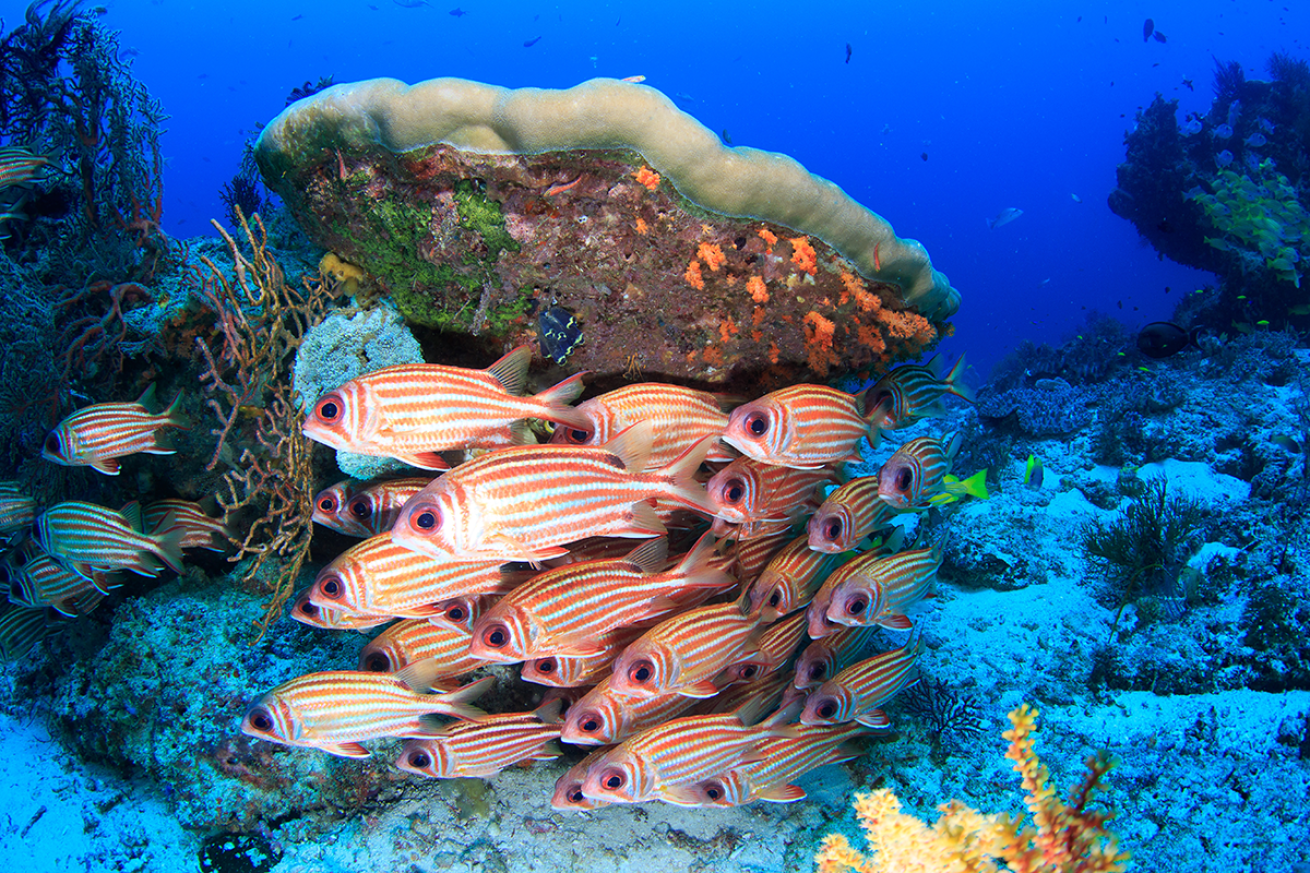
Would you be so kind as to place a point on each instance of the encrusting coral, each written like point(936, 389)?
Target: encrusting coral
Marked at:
point(1068, 837)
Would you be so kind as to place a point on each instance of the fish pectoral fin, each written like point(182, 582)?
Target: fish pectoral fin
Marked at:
point(424, 460)
point(782, 794)
point(680, 795)
point(876, 719)
point(108, 466)
point(896, 622)
point(523, 553)
point(704, 688)
point(345, 750)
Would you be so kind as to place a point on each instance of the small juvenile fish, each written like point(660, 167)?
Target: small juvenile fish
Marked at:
point(883, 589)
point(413, 411)
point(199, 529)
point(97, 436)
point(381, 577)
point(336, 709)
point(484, 747)
point(911, 393)
point(850, 513)
point(365, 511)
point(804, 426)
point(88, 537)
point(914, 474)
point(855, 693)
point(680, 417)
point(522, 503)
point(603, 716)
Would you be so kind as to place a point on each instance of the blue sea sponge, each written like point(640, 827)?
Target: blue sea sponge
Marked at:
point(345, 345)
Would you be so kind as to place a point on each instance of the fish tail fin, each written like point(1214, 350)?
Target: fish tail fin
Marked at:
point(459, 702)
point(976, 485)
point(173, 415)
point(556, 400)
point(955, 383)
point(168, 545)
point(680, 474)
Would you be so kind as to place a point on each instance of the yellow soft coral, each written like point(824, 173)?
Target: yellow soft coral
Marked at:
point(1067, 838)
point(346, 274)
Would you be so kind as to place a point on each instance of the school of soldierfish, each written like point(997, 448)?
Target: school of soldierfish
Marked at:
point(713, 677)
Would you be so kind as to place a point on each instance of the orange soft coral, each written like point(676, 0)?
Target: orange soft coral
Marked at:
point(769, 237)
point(759, 293)
point(693, 276)
point(803, 255)
point(712, 255)
point(648, 177)
point(818, 342)
point(641, 226)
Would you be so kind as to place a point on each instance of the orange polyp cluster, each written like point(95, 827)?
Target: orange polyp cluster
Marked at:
point(647, 177)
point(693, 276)
point(712, 255)
point(759, 293)
point(818, 342)
point(769, 238)
point(727, 329)
point(641, 226)
point(803, 255)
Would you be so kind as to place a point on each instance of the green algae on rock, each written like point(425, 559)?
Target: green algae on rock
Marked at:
point(477, 206)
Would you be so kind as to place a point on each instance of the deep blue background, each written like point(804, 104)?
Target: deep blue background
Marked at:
point(1014, 104)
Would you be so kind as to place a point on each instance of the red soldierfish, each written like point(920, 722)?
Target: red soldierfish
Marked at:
point(855, 693)
point(602, 716)
point(681, 417)
point(916, 472)
point(358, 510)
point(88, 537)
point(305, 612)
point(748, 490)
point(336, 709)
point(850, 513)
point(523, 503)
point(907, 394)
point(882, 591)
point(484, 747)
point(199, 529)
point(412, 640)
point(98, 435)
point(17, 510)
point(800, 426)
point(791, 577)
point(413, 411)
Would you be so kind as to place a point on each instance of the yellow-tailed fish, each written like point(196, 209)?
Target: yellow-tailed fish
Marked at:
point(413, 411)
point(98, 435)
point(955, 488)
point(800, 426)
point(337, 709)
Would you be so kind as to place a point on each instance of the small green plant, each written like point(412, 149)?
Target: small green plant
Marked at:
point(1143, 553)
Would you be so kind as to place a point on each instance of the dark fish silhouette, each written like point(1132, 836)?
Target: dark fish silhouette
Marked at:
point(530, 43)
point(1159, 37)
point(848, 53)
point(457, 12)
point(1147, 29)
point(923, 155)
point(1160, 339)
point(1188, 83)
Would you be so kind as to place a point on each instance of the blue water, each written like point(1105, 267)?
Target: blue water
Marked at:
point(1015, 105)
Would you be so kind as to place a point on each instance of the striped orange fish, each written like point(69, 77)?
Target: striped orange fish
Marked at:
point(17, 510)
point(98, 435)
point(802, 426)
point(198, 528)
point(680, 751)
point(782, 760)
point(748, 490)
point(820, 624)
point(910, 393)
point(336, 709)
point(602, 716)
point(522, 503)
point(19, 165)
point(380, 577)
point(826, 657)
point(461, 612)
point(766, 691)
point(791, 577)
point(563, 611)
point(684, 653)
point(36, 580)
point(752, 554)
point(573, 671)
point(413, 411)
point(484, 747)
point(412, 640)
point(776, 648)
point(850, 513)
point(360, 510)
point(305, 612)
point(680, 417)
point(88, 537)
point(882, 591)
point(568, 788)
point(916, 472)
point(855, 693)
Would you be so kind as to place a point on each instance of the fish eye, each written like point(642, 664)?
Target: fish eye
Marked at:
point(456, 613)
point(757, 423)
point(733, 491)
point(641, 672)
point(748, 671)
point(307, 608)
point(713, 790)
point(260, 720)
point(575, 796)
point(546, 665)
point(426, 519)
point(329, 408)
point(613, 778)
point(361, 508)
point(817, 672)
point(833, 529)
point(856, 604)
point(576, 436)
point(52, 444)
point(904, 478)
point(377, 662)
point(496, 636)
point(589, 723)
point(419, 759)
point(331, 587)
point(327, 503)
point(775, 598)
point(827, 708)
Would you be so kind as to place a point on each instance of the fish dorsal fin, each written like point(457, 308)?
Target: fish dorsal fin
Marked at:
point(511, 371)
point(132, 514)
point(548, 713)
point(147, 398)
point(421, 675)
point(633, 446)
point(650, 555)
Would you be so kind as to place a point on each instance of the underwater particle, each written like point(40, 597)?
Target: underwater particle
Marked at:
point(240, 853)
point(923, 156)
point(559, 333)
